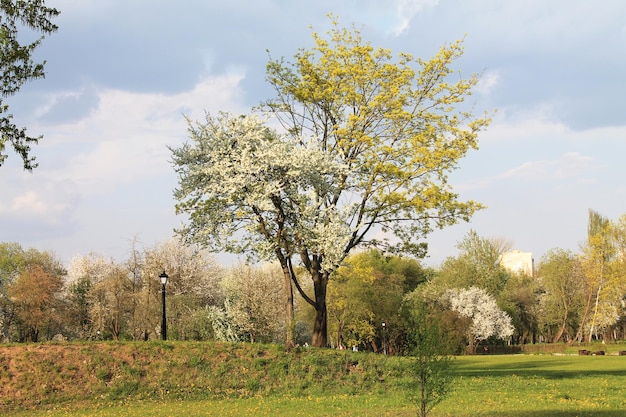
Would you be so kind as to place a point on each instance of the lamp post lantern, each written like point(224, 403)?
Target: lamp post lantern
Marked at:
point(163, 277)
point(384, 339)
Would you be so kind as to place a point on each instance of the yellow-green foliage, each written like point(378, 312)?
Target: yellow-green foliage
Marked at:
point(398, 123)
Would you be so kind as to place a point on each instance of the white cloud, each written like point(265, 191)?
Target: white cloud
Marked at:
point(518, 124)
point(391, 17)
point(29, 202)
point(406, 10)
point(35, 206)
point(125, 137)
point(569, 165)
point(557, 26)
point(97, 166)
point(542, 127)
point(34, 195)
point(534, 146)
point(488, 82)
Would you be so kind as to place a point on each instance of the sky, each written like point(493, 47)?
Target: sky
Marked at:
point(122, 75)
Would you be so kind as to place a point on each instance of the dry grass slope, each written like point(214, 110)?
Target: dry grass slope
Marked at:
point(42, 374)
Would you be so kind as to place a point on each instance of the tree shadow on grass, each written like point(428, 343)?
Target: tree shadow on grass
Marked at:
point(556, 368)
point(555, 413)
point(559, 384)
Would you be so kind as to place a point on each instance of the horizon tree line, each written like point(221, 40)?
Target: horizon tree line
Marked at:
point(96, 298)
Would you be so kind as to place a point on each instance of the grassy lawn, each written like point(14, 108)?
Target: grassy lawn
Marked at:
point(512, 385)
point(538, 386)
point(314, 406)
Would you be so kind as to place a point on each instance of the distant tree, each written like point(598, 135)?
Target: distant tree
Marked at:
point(123, 300)
point(488, 320)
point(520, 299)
point(192, 270)
point(35, 297)
point(110, 302)
point(369, 144)
point(409, 269)
point(619, 228)
point(254, 302)
point(12, 261)
point(86, 310)
point(434, 303)
point(135, 265)
point(32, 289)
point(90, 302)
point(562, 283)
point(366, 291)
point(478, 265)
point(77, 320)
point(351, 319)
point(17, 66)
point(28, 267)
point(193, 286)
point(223, 328)
point(602, 285)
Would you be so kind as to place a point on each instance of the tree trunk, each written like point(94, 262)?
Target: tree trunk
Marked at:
point(580, 335)
point(562, 328)
point(595, 313)
point(320, 326)
point(339, 333)
point(471, 347)
point(290, 337)
point(424, 400)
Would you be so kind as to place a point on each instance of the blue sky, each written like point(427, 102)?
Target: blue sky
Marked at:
point(121, 75)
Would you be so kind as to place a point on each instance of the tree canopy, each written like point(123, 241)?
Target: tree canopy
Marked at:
point(603, 283)
point(17, 66)
point(366, 291)
point(563, 285)
point(478, 264)
point(362, 159)
point(487, 318)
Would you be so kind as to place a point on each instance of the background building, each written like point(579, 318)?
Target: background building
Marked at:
point(516, 261)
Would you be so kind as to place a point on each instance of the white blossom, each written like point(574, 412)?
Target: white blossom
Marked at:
point(488, 320)
point(241, 175)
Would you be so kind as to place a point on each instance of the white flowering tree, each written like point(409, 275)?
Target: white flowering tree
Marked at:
point(249, 189)
point(367, 148)
point(488, 320)
point(254, 302)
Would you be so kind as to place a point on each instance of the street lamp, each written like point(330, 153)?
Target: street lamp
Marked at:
point(384, 340)
point(163, 277)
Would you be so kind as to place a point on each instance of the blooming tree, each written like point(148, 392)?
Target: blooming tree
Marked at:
point(249, 189)
point(368, 146)
point(254, 302)
point(487, 318)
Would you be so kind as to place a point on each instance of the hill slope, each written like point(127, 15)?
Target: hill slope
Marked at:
point(39, 374)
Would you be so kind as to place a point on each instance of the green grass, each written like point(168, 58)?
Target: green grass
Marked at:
point(344, 405)
point(187, 379)
point(529, 385)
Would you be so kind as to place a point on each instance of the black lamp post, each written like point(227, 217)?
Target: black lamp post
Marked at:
point(384, 339)
point(163, 277)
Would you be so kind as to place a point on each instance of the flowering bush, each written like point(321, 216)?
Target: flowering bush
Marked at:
point(488, 320)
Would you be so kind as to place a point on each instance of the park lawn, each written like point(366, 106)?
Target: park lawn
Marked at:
point(342, 405)
point(538, 385)
point(486, 386)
